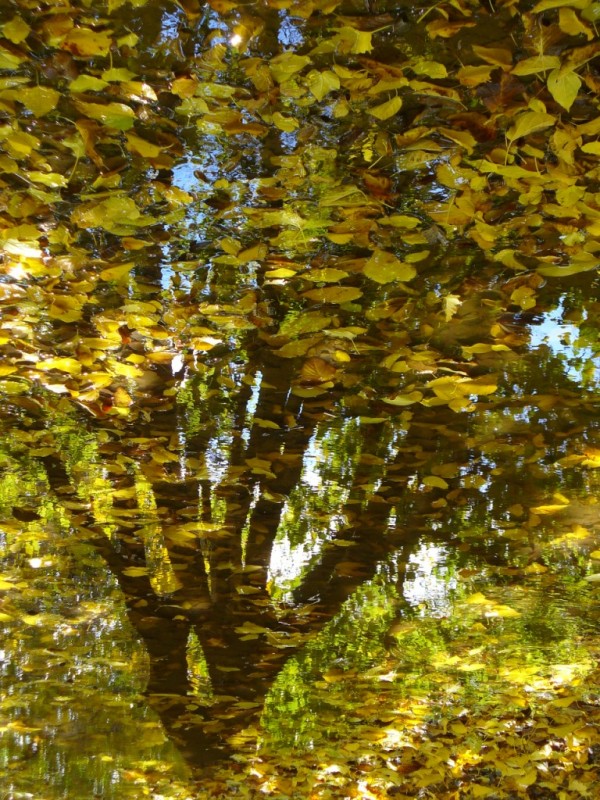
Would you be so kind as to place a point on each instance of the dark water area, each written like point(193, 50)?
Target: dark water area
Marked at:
point(299, 437)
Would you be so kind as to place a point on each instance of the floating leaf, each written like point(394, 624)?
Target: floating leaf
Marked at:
point(317, 370)
point(86, 42)
point(351, 40)
point(384, 267)
point(435, 481)
point(338, 295)
point(321, 83)
point(66, 364)
point(404, 399)
point(564, 85)
point(115, 115)
point(535, 64)
point(16, 30)
point(387, 109)
point(285, 65)
point(286, 124)
point(528, 123)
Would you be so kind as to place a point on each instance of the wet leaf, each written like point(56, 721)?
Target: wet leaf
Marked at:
point(385, 267)
point(387, 109)
point(564, 85)
point(338, 295)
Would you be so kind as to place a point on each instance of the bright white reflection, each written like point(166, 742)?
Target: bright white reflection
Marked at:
point(428, 581)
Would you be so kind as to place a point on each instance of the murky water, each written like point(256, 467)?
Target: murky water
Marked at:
point(273, 523)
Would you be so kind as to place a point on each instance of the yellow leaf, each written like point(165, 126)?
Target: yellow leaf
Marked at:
point(451, 303)
point(530, 122)
point(122, 398)
point(524, 296)
point(286, 124)
point(66, 364)
point(87, 83)
point(255, 253)
point(384, 267)
point(435, 481)
point(115, 115)
point(334, 294)
point(66, 308)
point(117, 75)
point(86, 42)
point(432, 69)
point(549, 508)
point(387, 109)
point(143, 148)
point(544, 5)
point(541, 63)
point(52, 179)
point(16, 30)
point(400, 221)
point(404, 399)
point(325, 275)
point(321, 83)
point(39, 100)
point(476, 599)
point(564, 85)
point(593, 148)
point(9, 60)
point(285, 65)
point(570, 23)
point(498, 56)
point(351, 40)
point(135, 572)
point(474, 76)
point(317, 370)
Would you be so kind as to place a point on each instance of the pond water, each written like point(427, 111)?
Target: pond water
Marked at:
point(299, 437)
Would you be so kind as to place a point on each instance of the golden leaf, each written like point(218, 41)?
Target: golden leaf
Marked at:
point(16, 30)
point(86, 42)
point(384, 267)
point(115, 115)
point(541, 63)
point(285, 65)
point(39, 100)
point(317, 370)
point(404, 399)
point(321, 83)
point(498, 56)
point(530, 122)
point(143, 148)
point(564, 85)
point(286, 124)
point(435, 481)
point(351, 40)
point(387, 109)
point(325, 275)
point(66, 364)
point(338, 295)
